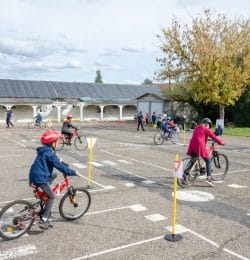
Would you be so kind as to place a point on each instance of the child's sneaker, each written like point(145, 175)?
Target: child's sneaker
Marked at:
point(45, 224)
point(209, 182)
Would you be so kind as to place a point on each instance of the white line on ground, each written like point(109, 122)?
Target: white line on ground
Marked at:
point(98, 184)
point(79, 165)
point(236, 186)
point(124, 161)
point(109, 163)
point(18, 252)
point(135, 208)
point(129, 184)
point(15, 141)
point(119, 248)
point(149, 164)
point(155, 217)
point(96, 164)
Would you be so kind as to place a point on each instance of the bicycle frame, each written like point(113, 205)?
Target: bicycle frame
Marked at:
point(57, 189)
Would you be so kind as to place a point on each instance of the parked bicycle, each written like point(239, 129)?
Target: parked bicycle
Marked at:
point(33, 124)
point(17, 217)
point(195, 167)
point(172, 137)
point(79, 141)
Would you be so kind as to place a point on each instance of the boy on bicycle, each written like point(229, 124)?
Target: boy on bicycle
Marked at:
point(40, 173)
point(197, 144)
point(67, 126)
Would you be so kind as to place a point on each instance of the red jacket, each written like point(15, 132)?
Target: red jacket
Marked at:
point(197, 144)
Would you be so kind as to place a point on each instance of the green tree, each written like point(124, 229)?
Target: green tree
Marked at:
point(98, 78)
point(211, 58)
point(147, 82)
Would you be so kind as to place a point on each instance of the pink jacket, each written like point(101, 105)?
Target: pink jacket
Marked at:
point(197, 144)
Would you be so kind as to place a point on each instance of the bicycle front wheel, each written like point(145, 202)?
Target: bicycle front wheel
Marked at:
point(43, 124)
point(219, 166)
point(80, 143)
point(60, 144)
point(15, 219)
point(158, 139)
point(190, 173)
point(74, 206)
point(175, 138)
point(31, 125)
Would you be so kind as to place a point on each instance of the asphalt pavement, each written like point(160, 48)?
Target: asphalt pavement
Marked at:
point(131, 188)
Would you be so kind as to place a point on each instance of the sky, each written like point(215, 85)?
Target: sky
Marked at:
point(69, 40)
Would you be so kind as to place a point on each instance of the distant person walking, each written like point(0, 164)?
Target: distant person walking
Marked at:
point(153, 118)
point(147, 118)
point(140, 121)
point(8, 118)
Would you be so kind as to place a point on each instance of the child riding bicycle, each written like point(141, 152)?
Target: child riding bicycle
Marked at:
point(67, 126)
point(197, 144)
point(40, 173)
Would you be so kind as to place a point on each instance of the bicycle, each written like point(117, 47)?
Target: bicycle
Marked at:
point(79, 141)
point(18, 216)
point(33, 124)
point(160, 136)
point(194, 167)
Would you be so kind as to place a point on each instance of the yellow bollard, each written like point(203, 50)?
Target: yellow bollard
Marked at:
point(90, 160)
point(174, 237)
point(184, 134)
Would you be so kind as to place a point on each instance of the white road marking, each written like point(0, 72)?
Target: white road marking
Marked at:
point(248, 214)
point(124, 161)
point(98, 184)
point(149, 182)
point(129, 184)
point(16, 252)
point(109, 163)
point(236, 186)
point(15, 141)
point(178, 229)
point(131, 159)
point(135, 208)
point(155, 217)
point(119, 248)
point(79, 165)
point(96, 164)
point(134, 145)
point(194, 195)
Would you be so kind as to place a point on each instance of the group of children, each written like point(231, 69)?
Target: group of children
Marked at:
point(41, 171)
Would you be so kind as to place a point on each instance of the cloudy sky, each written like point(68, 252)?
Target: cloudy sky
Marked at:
point(68, 40)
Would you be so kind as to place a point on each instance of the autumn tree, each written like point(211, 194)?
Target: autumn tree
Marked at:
point(147, 82)
point(211, 57)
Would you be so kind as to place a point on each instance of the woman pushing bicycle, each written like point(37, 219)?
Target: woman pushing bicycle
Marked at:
point(40, 173)
point(197, 144)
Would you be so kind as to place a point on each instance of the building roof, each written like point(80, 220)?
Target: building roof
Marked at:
point(71, 90)
point(158, 96)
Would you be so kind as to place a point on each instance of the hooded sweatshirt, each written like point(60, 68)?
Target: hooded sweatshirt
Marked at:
point(42, 167)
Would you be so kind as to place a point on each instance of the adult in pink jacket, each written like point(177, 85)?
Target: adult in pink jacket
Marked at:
point(197, 144)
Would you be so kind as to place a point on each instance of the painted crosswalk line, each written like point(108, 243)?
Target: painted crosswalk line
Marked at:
point(124, 161)
point(96, 164)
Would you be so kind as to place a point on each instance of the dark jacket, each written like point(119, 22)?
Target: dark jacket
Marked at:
point(67, 126)
point(42, 167)
point(140, 117)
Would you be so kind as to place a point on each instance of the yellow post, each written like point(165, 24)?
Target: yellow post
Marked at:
point(173, 237)
point(184, 134)
point(174, 197)
point(90, 160)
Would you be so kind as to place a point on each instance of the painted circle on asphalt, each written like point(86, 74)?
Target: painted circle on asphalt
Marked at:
point(194, 195)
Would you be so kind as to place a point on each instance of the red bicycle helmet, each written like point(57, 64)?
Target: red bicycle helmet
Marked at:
point(49, 136)
point(69, 116)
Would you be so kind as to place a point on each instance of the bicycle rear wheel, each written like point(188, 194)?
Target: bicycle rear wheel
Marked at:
point(189, 174)
point(80, 143)
point(74, 206)
point(15, 219)
point(60, 144)
point(158, 139)
point(43, 124)
point(219, 166)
